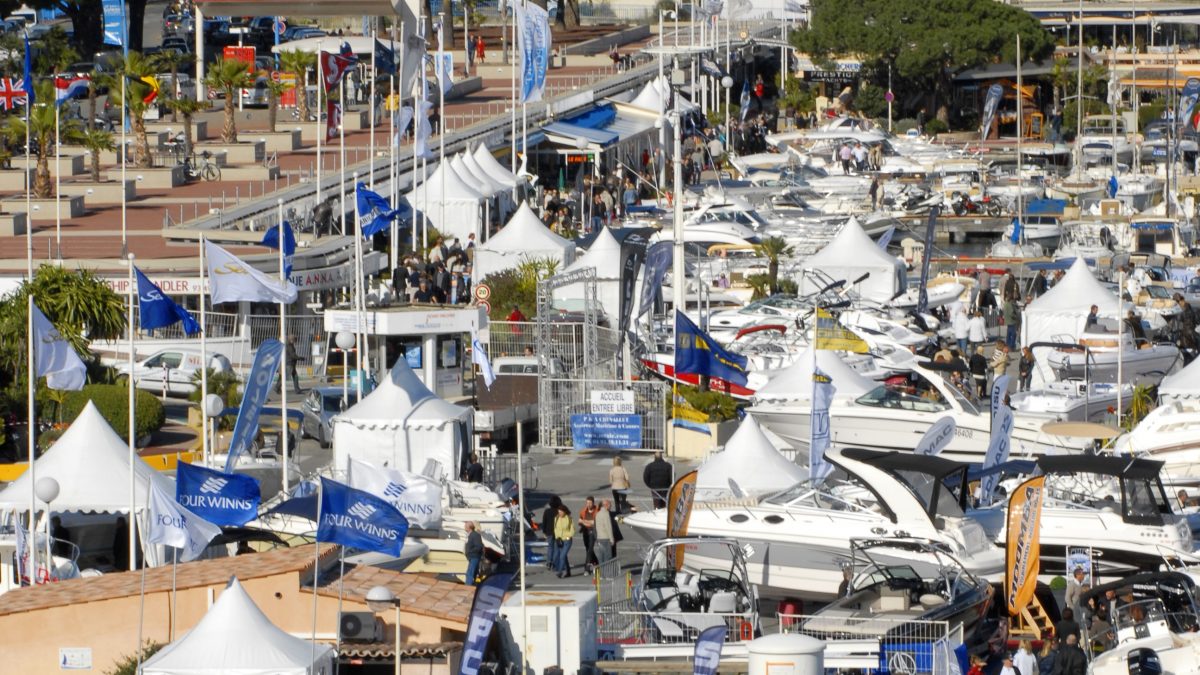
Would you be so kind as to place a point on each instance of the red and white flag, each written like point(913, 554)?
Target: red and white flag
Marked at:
point(333, 119)
point(66, 88)
point(12, 93)
point(333, 67)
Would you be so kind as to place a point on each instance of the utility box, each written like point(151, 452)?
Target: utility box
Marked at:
point(562, 628)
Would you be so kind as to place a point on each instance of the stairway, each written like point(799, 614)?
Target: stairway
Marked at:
point(1032, 622)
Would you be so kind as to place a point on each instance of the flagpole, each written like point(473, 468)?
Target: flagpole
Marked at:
point(31, 425)
point(124, 154)
point(320, 129)
point(283, 363)
point(371, 113)
point(316, 570)
point(513, 101)
point(174, 596)
point(142, 588)
point(57, 187)
point(203, 359)
point(342, 135)
point(394, 144)
point(442, 78)
point(521, 536)
point(132, 447)
point(359, 304)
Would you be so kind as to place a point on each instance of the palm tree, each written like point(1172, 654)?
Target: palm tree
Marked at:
point(187, 107)
point(229, 77)
point(275, 89)
point(41, 136)
point(299, 63)
point(135, 68)
point(172, 61)
point(773, 249)
point(96, 141)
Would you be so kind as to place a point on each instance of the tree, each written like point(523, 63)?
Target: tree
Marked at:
point(187, 107)
point(134, 68)
point(925, 43)
point(41, 135)
point(128, 664)
point(230, 77)
point(54, 52)
point(568, 14)
point(773, 249)
point(96, 141)
point(275, 89)
point(87, 19)
point(299, 63)
point(172, 61)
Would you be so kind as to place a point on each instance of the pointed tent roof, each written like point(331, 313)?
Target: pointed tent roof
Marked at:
point(524, 235)
point(234, 636)
point(851, 246)
point(604, 255)
point(456, 188)
point(751, 461)
point(473, 166)
point(1184, 383)
point(491, 167)
point(652, 95)
point(482, 183)
point(403, 400)
point(1076, 292)
point(91, 464)
point(795, 381)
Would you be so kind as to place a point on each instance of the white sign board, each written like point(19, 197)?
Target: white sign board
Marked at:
point(612, 402)
point(75, 658)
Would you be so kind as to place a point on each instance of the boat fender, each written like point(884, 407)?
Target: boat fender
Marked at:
point(745, 630)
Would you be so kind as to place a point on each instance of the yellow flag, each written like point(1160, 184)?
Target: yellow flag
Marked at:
point(830, 334)
point(1022, 556)
point(679, 510)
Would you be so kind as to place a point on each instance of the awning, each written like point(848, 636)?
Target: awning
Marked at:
point(601, 126)
point(564, 133)
point(1158, 226)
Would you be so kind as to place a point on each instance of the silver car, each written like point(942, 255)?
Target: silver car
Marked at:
point(322, 404)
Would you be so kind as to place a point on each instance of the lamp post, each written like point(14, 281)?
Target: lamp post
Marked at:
point(379, 599)
point(727, 83)
point(46, 489)
point(213, 405)
point(345, 341)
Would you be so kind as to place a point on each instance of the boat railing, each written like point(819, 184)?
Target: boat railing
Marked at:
point(619, 623)
point(885, 644)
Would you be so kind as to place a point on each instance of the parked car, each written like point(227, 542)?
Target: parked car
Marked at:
point(295, 29)
point(178, 24)
point(179, 44)
point(172, 370)
point(322, 404)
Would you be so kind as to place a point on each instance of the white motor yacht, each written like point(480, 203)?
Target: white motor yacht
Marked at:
point(1145, 363)
point(1071, 401)
point(1103, 137)
point(1156, 625)
point(1044, 230)
point(1170, 434)
point(800, 537)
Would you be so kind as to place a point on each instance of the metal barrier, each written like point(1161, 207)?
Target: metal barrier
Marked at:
point(573, 396)
point(498, 467)
point(613, 585)
point(618, 623)
point(879, 644)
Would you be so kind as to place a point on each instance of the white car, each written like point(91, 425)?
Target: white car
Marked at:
point(171, 370)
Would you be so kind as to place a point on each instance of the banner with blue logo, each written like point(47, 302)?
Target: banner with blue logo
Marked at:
point(1187, 101)
point(696, 352)
point(254, 396)
point(533, 38)
point(708, 650)
point(359, 519)
point(602, 430)
point(114, 22)
point(658, 260)
point(156, 310)
point(990, 104)
point(271, 239)
point(221, 498)
point(489, 595)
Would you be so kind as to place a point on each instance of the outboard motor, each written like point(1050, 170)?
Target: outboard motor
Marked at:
point(1143, 661)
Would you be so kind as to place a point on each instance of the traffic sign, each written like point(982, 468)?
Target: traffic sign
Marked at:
point(482, 292)
point(889, 96)
point(487, 307)
point(280, 26)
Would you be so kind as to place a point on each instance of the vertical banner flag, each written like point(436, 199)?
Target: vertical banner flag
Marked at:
point(173, 525)
point(334, 67)
point(156, 310)
point(997, 452)
point(937, 437)
point(679, 509)
point(416, 497)
point(818, 423)
point(114, 22)
point(232, 280)
point(271, 240)
point(923, 289)
point(359, 519)
point(221, 498)
point(696, 352)
point(989, 109)
point(633, 252)
point(480, 358)
point(708, 650)
point(886, 238)
point(658, 261)
point(1187, 100)
point(1015, 237)
point(333, 119)
point(999, 389)
point(254, 395)
point(744, 100)
point(1023, 550)
point(28, 79)
point(533, 41)
point(403, 118)
point(54, 358)
point(829, 334)
point(422, 130)
point(22, 560)
point(385, 58)
point(489, 595)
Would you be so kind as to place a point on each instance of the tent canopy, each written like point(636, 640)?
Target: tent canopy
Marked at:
point(524, 237)
point(656, 94)
point(91, 464)
point(493, 168)
point(751, 462)
point(449, 203)
point(795, 381)
point(1062, 310)
point(1184, 383)
point(478, 181)
point(604, 256)
point(850, 255)
point(236, 637)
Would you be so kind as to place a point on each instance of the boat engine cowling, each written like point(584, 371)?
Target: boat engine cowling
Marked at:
point(1143, 661)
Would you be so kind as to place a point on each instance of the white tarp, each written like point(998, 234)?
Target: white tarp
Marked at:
point(1181, 384)
point(749, 461)
point(91, 464)
point(524, 237)
point(850, 255)
point(605, 256)
point(487, 162)
point(402, 425)
point(449, 203)
point(236, 637)
point(794, 383)
point(655, 94)
point(477, 180)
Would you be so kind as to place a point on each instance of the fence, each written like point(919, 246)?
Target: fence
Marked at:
point(306, 329)
point(883, 645)
point(573, 397)
point(497, 468)
point(613, 585)
point(619, 623)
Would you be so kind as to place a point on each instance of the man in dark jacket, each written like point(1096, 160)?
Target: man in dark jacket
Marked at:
point(658, 476)
point(1071, 659)
point(473, 551)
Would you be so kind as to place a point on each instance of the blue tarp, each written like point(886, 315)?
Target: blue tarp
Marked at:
point(596, 118)
point(1159, 226)
point(1055, 265)
point(1046, 207)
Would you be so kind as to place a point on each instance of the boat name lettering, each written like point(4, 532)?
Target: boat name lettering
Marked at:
point(215, 502)
point(346, 520)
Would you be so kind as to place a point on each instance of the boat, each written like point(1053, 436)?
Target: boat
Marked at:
point(1103, 138)
point(1144, 363)
point(1170, 434)
point(1073, 400)
point(1042, 230)
point(799, 538)
point(1156, 622)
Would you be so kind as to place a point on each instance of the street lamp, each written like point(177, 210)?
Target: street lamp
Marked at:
point(46, 490)
point(213, 405)
point(345, 341)
point(379, 599)
point(727, 83)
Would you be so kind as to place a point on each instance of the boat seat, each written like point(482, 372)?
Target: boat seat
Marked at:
point(893, 600)
point(723, 602)
point(654, 596)
point(931, 600)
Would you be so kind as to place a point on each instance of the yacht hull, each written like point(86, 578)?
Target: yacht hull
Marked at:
point(1141, 366)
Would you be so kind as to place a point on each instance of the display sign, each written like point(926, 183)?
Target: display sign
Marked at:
point(612, 402)
point(618, 432)
point(75, 658)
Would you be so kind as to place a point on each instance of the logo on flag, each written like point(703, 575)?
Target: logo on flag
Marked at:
point(362, 510)
point(480, 358)
point(696, 352)
point(831, 335)
point(375, 207)
point(392, 490)
point(489, 595)
point(416, 497)
point(232, 280)
point(55, 359)
point(221, 498)
point(155, 310)
point(708, 650)
point(334, 67)
point(271, 240)
point(818, 420)
point(171, 524)
point(214, 485)
point(359, 519)
point(258, 385)
point(333, 119)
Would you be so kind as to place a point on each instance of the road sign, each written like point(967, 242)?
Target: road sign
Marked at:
point(889, 96)
point(280, 26)
point(487, 306)
point(482, 292)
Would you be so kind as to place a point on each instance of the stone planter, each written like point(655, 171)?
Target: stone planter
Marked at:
point(107, 192)
point(279, 141)
point(152, 178)
point(256, 172)
point(199, 128)
point(45, 209)
point(15, 180)
point(237, 153)
point(691, 443)
point(70, 165)
point(12, 224)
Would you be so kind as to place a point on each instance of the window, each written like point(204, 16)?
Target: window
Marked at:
point(1144, 501)
point(172, 360)
point(904, 397)
point(448, 352)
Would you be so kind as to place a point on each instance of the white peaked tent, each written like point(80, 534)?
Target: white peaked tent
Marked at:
point(794, 383)
point(524, 237)
point(850, 255)
point(461, 214)
point(750, 461)
point(493, 168)
point(654, 94)
point(402, 425)
point(91, 464)
point(1061, 312)
point(1182, 384)
point(236, 637)
point(605, 256)
point(480, 182)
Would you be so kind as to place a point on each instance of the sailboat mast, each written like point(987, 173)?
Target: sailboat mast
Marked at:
point(1020, 138)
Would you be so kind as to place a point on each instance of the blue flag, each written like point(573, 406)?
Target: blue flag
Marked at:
point(375, 206)
point(1113, 186)
point(254, 395)
point(114, 22)
point(489, 595)
point(658, 259)
point(385, 58)
point(271, 240)
point(29, 72)
point(1016, 230)
point(696, 352)
point(886, 238)
point(359, 519)
point(708, 651)
point(745, 100)
point(156, 310)
point(220, 498)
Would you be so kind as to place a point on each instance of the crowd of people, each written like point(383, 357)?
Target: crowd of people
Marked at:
point(443, 276)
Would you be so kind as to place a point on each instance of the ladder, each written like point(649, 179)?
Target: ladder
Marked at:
point(1032, 621)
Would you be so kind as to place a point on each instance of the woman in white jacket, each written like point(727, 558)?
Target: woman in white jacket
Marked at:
point(959, 322)
point(977, 329)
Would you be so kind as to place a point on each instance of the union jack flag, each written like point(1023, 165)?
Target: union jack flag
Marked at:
point(12, 93)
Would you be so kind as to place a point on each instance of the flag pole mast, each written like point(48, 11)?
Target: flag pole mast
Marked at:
point(371, 110)
point(320, 130)
point(132, 430)
point(284, 366)
point(342, 108)
point(203, 359)
point(30, 373)
point(57, 187)
point(359, 301)
point(394, 149)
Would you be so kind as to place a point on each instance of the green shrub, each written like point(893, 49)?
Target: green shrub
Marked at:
point(788, 286)
point(1058, 584)
point(903, 125)
point(935, 126)
point(718, 406)
point(113, 403)
point(224, 384)
point(128, 663)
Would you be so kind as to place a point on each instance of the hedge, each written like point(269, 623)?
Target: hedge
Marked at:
point(113, 402)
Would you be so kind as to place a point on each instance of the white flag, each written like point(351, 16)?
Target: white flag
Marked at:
point(231, 280)
point(55, 358)
point(423, 130)
point(818, 422)
point(402, 120)
point(171, 524)
point(22, 559)
point(480, 358)
point(415, 496)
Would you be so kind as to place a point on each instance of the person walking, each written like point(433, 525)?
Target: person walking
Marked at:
point(293, 358)
point(977, 329)
point(873, 192)
point(618, 479)
point(1071, 659)
point(587, 528)
point(473, 473)
point(961, 325)
point(564, 533)
point(658, 476)
point(1025, 369)
point(978, 366)
point(604, 533)
point(1012, 322)
point(473, 551)
point(547, 524)
point(480, 50)
point(999, 362)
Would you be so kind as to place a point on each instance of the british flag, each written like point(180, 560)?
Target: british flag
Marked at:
point(12, 93)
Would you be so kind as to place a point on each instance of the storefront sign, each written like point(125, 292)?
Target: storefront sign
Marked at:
point(618, 432)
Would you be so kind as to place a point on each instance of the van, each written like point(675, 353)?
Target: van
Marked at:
point(172, 370)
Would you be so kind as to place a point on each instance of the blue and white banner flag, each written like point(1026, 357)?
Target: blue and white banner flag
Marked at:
point(271, 240)
point(999, 389)
point(997, 452)
point(744, 101)
point(479, 357)
point(1187, 101)
point(232, 280)
point(708, 650)
point(375, 213)
point(254, 395)
point(818, 423)
point(990, 104)
point(886, 237)
point(114, 22)
point(533, 41)
point(54, 358)
point(359, 519)
point(156, 310)
point(658, 261)
point(220, 498)
point(937, 437)
point(171, 524)
point(416, 497)
point(489, 595)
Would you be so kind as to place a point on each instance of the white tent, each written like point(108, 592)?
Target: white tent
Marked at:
point(91, 464)
point(478, 181)
point(605, 256)
point(236, 637)
point(850, 255)
point(451, 205)
point(794, 383)
point(491, 167)
point(524, 237)
point(749, 461)
point(1061, 312)
point(654, 94)
point(402, 425)
point(1182, 384)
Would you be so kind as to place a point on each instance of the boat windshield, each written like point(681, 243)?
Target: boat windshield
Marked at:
point(925, 488)
point(1144, 501)
point(1131, 614)
point(905, 395)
